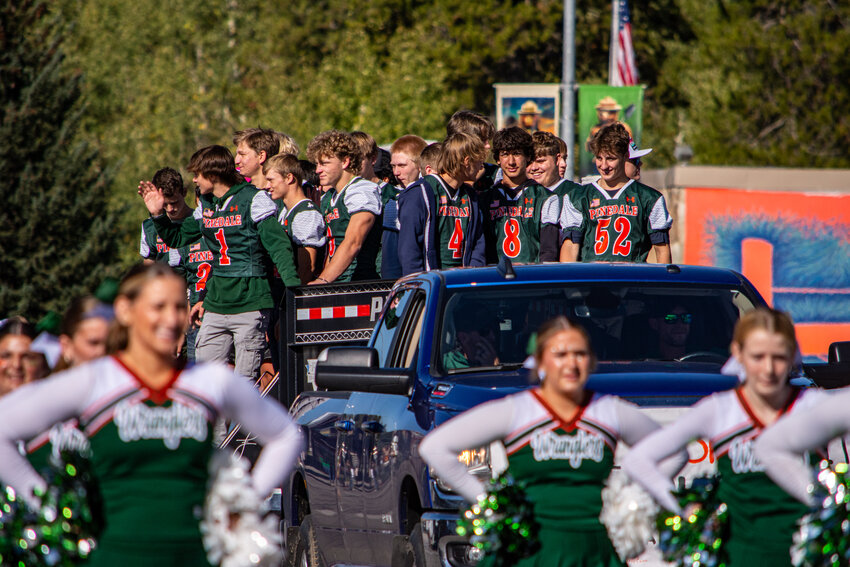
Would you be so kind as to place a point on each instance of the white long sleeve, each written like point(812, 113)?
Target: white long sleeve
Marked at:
point(644, 462)
point(477, 427)
point(31, 410)
point(780, 447)
point(281, 438)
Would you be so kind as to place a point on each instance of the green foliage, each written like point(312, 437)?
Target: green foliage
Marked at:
point(57, 236)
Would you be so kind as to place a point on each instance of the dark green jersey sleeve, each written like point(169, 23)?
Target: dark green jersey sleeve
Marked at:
point(177, 235)
point(277, 243)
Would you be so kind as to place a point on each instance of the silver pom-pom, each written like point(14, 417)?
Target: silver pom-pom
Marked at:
point(628, 512)
point(234, 532)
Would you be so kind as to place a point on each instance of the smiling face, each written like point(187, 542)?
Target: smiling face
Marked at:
point(566, 361)
point(276, 184)
point(88, 342)
point(248, 162)
point(18, 364)
point(544, 170)
point(156, 318)
point(767, 359)
point(611, 167)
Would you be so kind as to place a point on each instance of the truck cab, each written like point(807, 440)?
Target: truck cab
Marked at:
point(449, 340)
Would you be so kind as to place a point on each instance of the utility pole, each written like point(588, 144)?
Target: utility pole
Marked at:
point(568, 85)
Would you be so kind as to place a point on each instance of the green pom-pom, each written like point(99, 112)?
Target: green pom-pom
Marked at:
point(699, 538)
point(62, 532)
point(502, 523)
point(823, 539)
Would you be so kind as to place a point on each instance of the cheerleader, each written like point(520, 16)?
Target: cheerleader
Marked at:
point(781, 446)
point(149, 423)
point(560, 440)
point(761, 515)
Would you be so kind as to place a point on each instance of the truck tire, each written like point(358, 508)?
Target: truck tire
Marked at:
point(307, 552)
point(409, 551)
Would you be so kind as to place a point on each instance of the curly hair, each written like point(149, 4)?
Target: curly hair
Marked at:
point(170, 182)
point(545, 144)
point(513, 139)
point(338, 144)
point(613, 139)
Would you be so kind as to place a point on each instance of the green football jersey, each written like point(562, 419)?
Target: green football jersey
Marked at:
point(229, 228)
point(617, 226)
point(337, 207)
point(197, 261)
point(453, 210)
point(515, 218)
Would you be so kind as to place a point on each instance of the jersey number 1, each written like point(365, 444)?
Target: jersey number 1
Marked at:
point(224, 259)
point(456, 240)
point(512, 245)
point(622, 246)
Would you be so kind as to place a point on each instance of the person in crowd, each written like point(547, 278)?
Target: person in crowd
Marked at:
point(478, 126)
point(287, 144)
point(545, 168)
point(149, 422)
point(253, 147)
point(521, 216)
point(405, 155)
point(85, 326)
point(616, 219)
point(298, 215)
point(476, 331)
point(762, 517)
point(19, 364)
point(562, 159)
point(351, 208)
point(151, 248)
point(441, 223)
point(634, 162)
point(429, 159)
point(560, 439)
point(238, 224)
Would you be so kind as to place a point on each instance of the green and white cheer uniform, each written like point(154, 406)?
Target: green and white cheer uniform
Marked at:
point(762, 516)
point(563, 464)
point(620, 226)
point(150, 450)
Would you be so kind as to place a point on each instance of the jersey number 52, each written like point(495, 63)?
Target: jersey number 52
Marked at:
point(622, 245)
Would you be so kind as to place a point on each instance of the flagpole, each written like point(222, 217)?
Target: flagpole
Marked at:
point(568, 85)
point(613, 44)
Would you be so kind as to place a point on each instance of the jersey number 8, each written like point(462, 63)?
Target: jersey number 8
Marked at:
point(511, 245)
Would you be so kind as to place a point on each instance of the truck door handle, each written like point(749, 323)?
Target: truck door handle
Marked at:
point(344, 425)
point(372, 426)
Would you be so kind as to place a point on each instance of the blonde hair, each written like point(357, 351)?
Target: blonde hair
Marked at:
point(288, 145)
point(455, 149)
point(767, 319)
point(131, 286)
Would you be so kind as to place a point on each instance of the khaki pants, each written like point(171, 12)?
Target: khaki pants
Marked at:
point(243, 332)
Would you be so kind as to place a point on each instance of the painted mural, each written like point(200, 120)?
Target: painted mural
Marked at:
point(793, 246)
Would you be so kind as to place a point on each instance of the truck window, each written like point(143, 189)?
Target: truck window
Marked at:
point(387, 332)
point(626, 321)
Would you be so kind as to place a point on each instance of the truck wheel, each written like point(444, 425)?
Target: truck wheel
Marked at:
point(307, 549)
point(409, 551)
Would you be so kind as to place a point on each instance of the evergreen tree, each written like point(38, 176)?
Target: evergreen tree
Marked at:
point(57, 235)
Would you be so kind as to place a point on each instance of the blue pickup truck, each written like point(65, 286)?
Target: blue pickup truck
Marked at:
point(446, 341)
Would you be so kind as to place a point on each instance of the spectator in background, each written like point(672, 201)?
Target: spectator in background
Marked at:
point(19, 364)
point(287, 144)
point(429, 159)
point(253, 147)
point(479, 126)
point(84, 330)
point(634, 162)
point(351, 209)
point(152, 248)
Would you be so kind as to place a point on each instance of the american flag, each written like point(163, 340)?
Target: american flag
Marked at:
point(623, 67)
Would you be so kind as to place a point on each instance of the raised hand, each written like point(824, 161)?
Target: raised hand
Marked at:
point(153, 198)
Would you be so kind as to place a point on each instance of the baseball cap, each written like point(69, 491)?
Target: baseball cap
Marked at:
point(634, 152)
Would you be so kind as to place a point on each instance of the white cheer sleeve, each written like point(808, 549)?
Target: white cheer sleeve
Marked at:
point(31, 410)
point(644, 462)
point(281, 438)
point(477, 427)
point(781, 445)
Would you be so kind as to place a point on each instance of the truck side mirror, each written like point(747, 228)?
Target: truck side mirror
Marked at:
point(839, 352)
point(356, 369)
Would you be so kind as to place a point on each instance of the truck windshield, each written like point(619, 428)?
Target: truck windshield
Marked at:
point(485, 328)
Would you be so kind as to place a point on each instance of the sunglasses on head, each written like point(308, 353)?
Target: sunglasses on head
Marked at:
point(671, 318)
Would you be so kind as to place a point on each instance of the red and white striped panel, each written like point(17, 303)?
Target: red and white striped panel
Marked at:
point(340, 312)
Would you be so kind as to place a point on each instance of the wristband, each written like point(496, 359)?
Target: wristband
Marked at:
point(322, 279)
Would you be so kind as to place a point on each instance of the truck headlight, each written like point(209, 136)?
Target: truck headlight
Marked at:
point(477, 461)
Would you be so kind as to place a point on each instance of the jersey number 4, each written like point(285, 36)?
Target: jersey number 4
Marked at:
point(511, 245)
point(224, 259)
point(456, 240)
point(622, 245)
